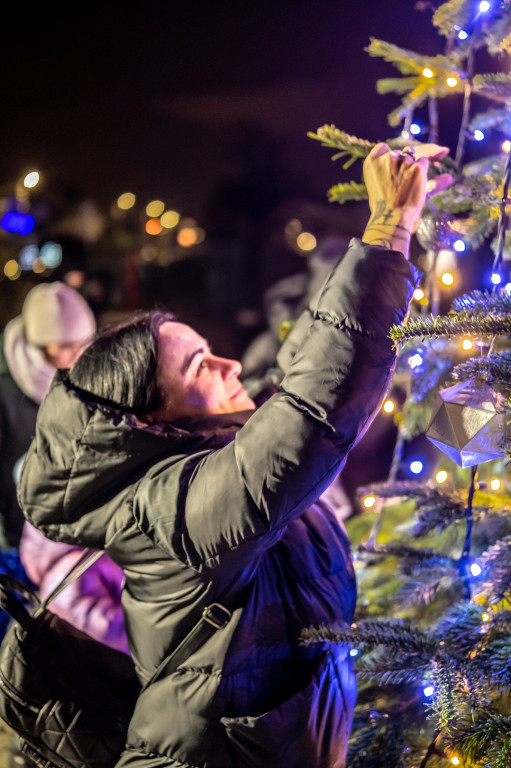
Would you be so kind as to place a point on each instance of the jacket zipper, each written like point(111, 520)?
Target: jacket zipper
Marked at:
point(10, 691)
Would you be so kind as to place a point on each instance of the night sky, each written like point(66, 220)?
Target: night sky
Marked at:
point(167, 99)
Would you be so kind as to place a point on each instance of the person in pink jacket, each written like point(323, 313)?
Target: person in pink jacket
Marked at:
point(92, 602)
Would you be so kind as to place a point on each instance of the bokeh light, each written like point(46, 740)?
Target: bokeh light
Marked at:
point(416, 467)
point(153, 227)
point(418, 294)
point(447, 279)
point(506, 146)
point(389, 406)
point(495, 484)
point(368, 501)
point(188, 236)
point(169, 219)
point(478, 135)
point(441, 476)
point(154, 209)
point(126, 201)
point(12, 269)
point(467, 344)
point(452, 82)
point(427, 72)
point(31, 180)
point(306, 241)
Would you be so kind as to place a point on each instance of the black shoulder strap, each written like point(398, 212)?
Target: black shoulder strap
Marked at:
point(214, 616)
point(89, 556)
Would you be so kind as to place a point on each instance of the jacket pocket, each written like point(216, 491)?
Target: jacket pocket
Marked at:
point(309, 730)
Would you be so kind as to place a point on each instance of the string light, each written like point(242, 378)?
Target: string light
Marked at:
point(447, 278)
point(452, 82)
point(459, 246)
point(429, 691)
point(418, 294)
point(496, 278)
point(415, 360)
point(354, 652)
point(484, 6)
point(368, 501)
point(455, 760)
point(495, 484)
point(415, 129)
point(427, 72)
point(467, 344)
point(475, 569)
point(462, 35)
point(485, 617)
point(416, 467)
point(389, 406)
point(506, 146)
point(478, 135)
point(441, 476)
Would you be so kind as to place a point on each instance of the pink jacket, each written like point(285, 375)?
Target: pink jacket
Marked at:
point(92, 602)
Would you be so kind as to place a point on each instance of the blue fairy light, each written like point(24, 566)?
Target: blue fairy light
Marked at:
point(484, 6)
point(462, 35)
point(459, 246)
point(354, 652)
point(475, 569)
point(429, 691)
point(496, 278)
point(416, 466)
point(415, 129)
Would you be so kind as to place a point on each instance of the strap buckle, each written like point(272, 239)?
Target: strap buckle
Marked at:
point(216, 615)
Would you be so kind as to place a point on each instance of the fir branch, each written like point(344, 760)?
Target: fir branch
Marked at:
point(460, 627)
point(493, 120)
point(417, 591)
point(412, 560)
point(445, 682)
point(494, 368)
point(483, 301)
point(496, 569)
point(403, 488)
point(437, 511)
point(485, 733)
point(454, 12)
point(378, 745)
point(462, 324)
point(348, 145)
point(346, 192)
point(493, 85)
point(391, 633)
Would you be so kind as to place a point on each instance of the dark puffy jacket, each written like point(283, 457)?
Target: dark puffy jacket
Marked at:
point(224, 511)
point(17, 428)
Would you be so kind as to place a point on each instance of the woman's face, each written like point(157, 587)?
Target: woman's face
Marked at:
point(193, 379)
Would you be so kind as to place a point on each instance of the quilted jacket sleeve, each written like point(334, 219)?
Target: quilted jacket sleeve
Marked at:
point(220, 509)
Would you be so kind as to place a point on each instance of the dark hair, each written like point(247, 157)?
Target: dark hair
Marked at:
point(119, 366)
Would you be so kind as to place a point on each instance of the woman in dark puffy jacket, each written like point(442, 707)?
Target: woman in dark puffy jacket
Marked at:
point(151, 449)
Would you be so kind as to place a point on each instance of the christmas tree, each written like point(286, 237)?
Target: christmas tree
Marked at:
point(432, 635)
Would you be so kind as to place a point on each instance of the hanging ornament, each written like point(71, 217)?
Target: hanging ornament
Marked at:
point(434, 232)
point(468, 422)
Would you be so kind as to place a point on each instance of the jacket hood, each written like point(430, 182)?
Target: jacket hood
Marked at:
point(87, 458)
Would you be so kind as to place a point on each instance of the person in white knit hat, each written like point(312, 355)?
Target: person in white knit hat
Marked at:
point(53, 328)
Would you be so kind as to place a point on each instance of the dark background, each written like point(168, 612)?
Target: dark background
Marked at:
point(205, 106)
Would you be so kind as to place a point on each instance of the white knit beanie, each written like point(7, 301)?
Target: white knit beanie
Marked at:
point(54, 313)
